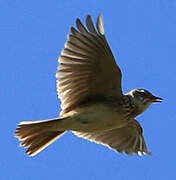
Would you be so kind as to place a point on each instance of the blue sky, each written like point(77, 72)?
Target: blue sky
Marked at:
point(143, 39)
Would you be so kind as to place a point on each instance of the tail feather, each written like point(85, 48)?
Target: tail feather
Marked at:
point(36, 136)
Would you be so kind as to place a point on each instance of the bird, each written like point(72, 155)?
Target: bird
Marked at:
point(93, 105)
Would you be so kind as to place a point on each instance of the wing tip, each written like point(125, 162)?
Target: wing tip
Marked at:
point(100, 24)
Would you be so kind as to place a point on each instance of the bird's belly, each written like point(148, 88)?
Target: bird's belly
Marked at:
point(96, 117)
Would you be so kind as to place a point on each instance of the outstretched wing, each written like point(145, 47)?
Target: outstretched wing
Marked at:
point(87, 67)
point(128, 139)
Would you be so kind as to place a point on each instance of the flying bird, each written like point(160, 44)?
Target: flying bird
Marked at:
point(92, 102)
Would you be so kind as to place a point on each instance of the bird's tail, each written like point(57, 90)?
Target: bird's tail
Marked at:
point(37, 135)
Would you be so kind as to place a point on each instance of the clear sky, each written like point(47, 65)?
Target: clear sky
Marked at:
point(142, 35)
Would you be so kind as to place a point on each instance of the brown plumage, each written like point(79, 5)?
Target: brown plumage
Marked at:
point(128, 139)
point(87, 66)
point(92, 102)
point(36, 135)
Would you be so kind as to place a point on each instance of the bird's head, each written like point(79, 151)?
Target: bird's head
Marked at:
point(143, 99)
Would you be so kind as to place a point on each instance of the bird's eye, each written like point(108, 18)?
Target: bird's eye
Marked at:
point(143, 93)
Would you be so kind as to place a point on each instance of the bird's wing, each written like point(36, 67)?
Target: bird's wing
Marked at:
point(87, 66)
point(128, 139)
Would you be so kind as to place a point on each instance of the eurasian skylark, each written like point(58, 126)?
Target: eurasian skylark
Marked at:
point(92, 102)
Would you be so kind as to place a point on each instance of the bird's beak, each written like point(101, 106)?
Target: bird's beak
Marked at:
point(156, 99)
